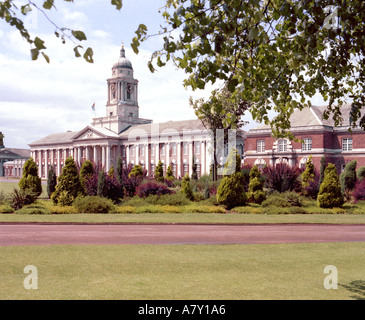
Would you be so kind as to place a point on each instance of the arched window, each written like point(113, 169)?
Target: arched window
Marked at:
point(282, 145)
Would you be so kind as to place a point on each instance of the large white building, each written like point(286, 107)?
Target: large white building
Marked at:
point(122, 133)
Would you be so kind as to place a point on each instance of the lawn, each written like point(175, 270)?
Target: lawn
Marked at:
point(280, 271)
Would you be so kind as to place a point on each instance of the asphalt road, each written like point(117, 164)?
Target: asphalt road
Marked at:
point(61, 234)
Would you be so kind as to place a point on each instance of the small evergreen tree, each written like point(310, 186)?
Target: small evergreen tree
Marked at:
point(159, 172)
point(51, 181)
point(87, 170)
point(30, 180)
point(330, 194)
point(169, 174)
point(137, 171)
point(322, 168)
point(111, 172)
point(348, 178)
point(360, 173)
point(194, 174)
point(231, 191)
point(120, 171)
point(308, 174)
point(101, 191)
point(186, 187)
point(69, 185)
point(255, 192)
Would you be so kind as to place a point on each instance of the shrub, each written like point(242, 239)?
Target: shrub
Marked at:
point(330, 195)
point(308, 174)
point(348, 178)
point(283, 200)
point(312, 189)
point(51, 181)
point(159, 172)
point(169, 174)
point(360, 173)
point(152, 188)
point(230, 192)
point(68, 182)
point(276, 201)
point(136, 172)
point(186, 188)
point(247, 210)
point(202, 209)
point(359, 191)
point(62, 210)
point(4, 208)
point(93, 204)
point(30, 179)
point(20, 198)
point(282, 177)
point(125, 209)
point(175, 199)
point(87, 170)
point(255, 192)
point(33, 209)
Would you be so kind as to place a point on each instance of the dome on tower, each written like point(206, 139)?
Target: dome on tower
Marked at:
point(122, 62)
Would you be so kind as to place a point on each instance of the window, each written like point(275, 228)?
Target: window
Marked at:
point(197, 147)
point(173, 149)
point(123, 151)
point(260, 145)
point(346, 144)
point(185, 147)
point(282, 145)
point(132, 151)
point(141, 152)
point(307, 144)
point(152, 150)
point(186, 169)
point(163, 150)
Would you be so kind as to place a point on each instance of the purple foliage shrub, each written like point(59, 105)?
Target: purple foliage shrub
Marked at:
point(153, 188)
point(282, 178)
point(359, 191)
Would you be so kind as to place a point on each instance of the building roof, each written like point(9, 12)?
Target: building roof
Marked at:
point(313, 116)
point(169, 127)
point(14, 153)
point(63, 137)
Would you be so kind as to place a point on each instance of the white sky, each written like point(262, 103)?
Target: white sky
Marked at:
point(38, 99)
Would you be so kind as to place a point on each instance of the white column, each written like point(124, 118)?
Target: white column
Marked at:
point(40, 163)
point(103, 157)
point(127, 154)
point(79, 154)
point(208, 157)
point(202, 157)
point(46, 164)
point(52, 158)
point(147, 159)
point(167, 149)
point(95, 155)
point(190, 160)
point(137, 153)
point(178, 169)
point(58, 162)
point(107, 158)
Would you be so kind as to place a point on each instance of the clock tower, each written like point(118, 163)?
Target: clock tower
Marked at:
point(122, 108)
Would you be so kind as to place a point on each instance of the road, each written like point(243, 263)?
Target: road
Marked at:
point(70, 234)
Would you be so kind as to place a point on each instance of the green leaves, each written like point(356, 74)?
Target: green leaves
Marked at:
point(79, 35)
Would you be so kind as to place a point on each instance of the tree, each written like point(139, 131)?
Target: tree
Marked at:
point(30, 179)
point(222, 111)
point(255, 192)
point(194, 174)
point(159, 172)
point(102, 191)
point(348, 178)
point(186, 187)
point(330, 195)
point(308, 174)
point(69, 185)
point(230, 192)
point(51, 181)
point(10, 11)
point(87, 170)
point(275, 54)
point(169, 174)
point(322, 168)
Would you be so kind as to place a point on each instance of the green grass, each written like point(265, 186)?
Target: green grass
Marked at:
point(7, 187)
point(185, 218)
point(280, 271)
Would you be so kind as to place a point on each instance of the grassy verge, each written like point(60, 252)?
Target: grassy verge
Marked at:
point(184, 218)
point(280, 271)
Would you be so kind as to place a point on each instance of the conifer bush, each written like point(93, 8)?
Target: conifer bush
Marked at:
point(255, 192)
point(152, 188)
point(169, 174)
point(69, 184)
point(87, 170)
point(159, 172)
point(308, 174)
point(348, 178)
point(51, 181)
point(186, 188)
point(230, 192)
point(30, 179)
point(330, 194)
point(360, 173)
point(93, 204)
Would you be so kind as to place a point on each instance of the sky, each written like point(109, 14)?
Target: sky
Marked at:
point(38, 99)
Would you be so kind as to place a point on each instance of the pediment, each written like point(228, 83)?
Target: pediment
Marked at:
point(89, 133)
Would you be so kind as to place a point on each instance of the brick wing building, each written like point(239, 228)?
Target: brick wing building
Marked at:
point(319, 138)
